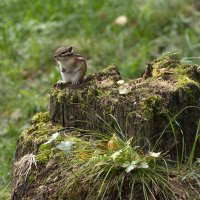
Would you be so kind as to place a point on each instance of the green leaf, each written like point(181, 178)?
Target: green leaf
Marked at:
point(116, 154)
point(130, 168)
point(143, 165)
point(134, 162)
point(65, 146)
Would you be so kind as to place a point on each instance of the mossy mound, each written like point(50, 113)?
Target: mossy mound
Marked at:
point(39, 152)
point(44, 163)
point(162, 107)
point(76, 164)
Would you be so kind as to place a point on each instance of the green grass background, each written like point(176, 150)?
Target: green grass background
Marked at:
point(30, 31)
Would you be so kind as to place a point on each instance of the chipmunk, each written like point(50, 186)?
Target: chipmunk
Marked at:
point(72, 66)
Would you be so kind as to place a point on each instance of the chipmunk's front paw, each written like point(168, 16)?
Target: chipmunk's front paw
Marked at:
point(75, 82)
point(61, 82)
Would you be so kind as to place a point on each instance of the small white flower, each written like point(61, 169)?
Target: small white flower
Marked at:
point(121, 20)
point(198, 160)
point(120, 82)
point(155, 155)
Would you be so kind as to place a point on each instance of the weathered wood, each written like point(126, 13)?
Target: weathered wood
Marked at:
point(146, 108)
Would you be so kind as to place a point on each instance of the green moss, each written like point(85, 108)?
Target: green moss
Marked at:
point(43, 147)
point(180, 73)
point(169, 61)
point(47, 152)
point(187, 92)
point(108, 69)
point(31, 178)
point(41, 117)
point(39, 130)
point(44, 155)
point(152, 105)
point(74, 98)
point(60, 95)
point(184, 80)
point(104, 94)
point(191, 97)
point(54, 91)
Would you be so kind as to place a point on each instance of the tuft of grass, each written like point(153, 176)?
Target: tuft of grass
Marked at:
point(113, 167)
point(117, 169)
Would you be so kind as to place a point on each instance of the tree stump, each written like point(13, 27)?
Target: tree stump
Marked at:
point(162, 106)
point(143, 108)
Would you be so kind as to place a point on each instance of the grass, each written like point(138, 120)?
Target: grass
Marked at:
point(119, 168)
point(30, 32)
point(114, 167)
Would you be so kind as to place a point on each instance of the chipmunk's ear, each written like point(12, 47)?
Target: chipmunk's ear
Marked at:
point(70, 49)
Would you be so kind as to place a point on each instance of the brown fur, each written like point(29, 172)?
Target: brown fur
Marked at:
point(75, 62)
